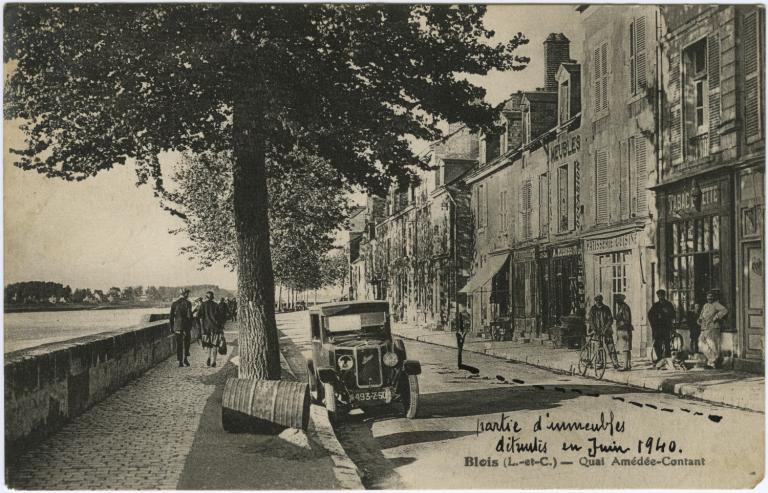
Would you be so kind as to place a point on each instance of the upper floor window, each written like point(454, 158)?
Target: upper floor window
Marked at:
point(526, 124)
point(695, 93)
point(481, 206)
point(527, 209)
point(543, 204)
point(600, 75)
point(601, 186)
point(503, 211)
point(563, 203)
point(637, 56)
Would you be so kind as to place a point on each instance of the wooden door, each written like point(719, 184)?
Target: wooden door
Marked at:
point(752, 301)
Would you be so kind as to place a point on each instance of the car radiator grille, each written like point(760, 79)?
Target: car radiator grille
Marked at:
point(368, 367)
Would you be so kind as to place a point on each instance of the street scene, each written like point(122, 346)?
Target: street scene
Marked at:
point(377, 246)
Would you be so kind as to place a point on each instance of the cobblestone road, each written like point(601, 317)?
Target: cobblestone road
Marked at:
point(138, 438)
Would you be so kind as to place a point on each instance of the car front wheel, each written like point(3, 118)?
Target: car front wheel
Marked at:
point(330, 403)
point(409, 392)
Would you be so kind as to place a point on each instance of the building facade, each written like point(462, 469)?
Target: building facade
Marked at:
point(710, 189)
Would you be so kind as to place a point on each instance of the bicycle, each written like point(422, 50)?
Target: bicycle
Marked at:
point(675, 344)
point(594, 354)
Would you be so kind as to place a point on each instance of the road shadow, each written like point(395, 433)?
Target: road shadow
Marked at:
point(415, 437)
point(462, 403)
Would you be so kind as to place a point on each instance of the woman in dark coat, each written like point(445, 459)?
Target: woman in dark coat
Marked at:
point(213, 331)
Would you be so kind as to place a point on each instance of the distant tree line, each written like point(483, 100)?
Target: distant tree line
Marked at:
point(52, 292)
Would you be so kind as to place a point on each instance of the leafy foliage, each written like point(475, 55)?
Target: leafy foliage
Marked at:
point(304, 211)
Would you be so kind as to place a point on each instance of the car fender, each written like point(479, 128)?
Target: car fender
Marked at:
point(412, 367)
point(327, 375)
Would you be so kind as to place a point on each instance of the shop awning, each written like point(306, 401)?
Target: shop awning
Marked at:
point(485, 273)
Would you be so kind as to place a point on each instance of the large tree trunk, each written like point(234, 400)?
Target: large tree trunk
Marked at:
point(258, 342)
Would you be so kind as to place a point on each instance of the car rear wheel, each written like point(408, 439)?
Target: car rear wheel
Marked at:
point(330, 403)
point(409, 392)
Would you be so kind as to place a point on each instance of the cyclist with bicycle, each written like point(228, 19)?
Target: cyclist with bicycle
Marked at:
point(661, 316)
point(600, 324)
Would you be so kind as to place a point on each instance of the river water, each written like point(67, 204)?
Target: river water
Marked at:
point(28, 329)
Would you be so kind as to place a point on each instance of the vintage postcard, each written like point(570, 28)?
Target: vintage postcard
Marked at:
point(374, 246)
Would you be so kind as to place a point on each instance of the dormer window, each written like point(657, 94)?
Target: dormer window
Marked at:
point(526, 124)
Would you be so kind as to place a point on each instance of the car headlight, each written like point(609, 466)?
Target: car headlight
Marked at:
point(346, 362)
point(390, 359)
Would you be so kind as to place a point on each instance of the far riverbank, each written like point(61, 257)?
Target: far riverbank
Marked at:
point(61, 307)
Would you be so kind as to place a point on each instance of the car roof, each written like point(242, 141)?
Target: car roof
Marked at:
point(357, 306)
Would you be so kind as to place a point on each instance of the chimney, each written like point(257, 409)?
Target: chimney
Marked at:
point(556, 51)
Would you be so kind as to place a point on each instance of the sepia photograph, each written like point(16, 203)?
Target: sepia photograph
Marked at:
point(351, 246)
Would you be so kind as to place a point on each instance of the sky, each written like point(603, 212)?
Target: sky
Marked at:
point(105, 231)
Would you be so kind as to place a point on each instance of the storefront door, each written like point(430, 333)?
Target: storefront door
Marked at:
point(753, 304)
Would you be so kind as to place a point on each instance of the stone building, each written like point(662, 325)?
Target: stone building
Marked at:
point(418, 250)
point(710, 187)
point(617, 158)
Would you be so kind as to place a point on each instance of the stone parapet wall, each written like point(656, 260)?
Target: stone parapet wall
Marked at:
point(48, 385)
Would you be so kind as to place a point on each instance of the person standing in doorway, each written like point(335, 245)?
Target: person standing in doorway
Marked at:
point(181, 325)
point(213, 331)
point(710, 320)
point(692, 321)
point(600, 322)
point(624, 330)
point(661, 316)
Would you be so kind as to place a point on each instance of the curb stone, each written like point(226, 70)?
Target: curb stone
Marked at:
point(346, 472)
point(683, 390)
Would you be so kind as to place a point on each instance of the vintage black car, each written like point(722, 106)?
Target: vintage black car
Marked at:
point(355, 362)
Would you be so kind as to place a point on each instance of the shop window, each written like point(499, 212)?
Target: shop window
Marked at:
point(694, 263)
point(524, 289)
point(612, 275)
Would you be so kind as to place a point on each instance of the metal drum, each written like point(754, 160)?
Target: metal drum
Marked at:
point(264, 405)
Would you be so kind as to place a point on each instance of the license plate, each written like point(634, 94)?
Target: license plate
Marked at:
point(371, 396)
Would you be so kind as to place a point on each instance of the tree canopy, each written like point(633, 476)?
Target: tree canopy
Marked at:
point(97, 85)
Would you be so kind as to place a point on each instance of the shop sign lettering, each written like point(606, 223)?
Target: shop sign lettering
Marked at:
point(566, 251)
point(564, 147)
point(617, 242)
point(521, 255)
point(684, 201)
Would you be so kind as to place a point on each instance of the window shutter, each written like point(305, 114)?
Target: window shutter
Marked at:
point(601, 186)
point(675, 135)
point(527, 208)
point(641, 172)
point(752, 111)
point(571, 208)
point(624, 195)
point(713, 77)
point(640, 57)
point(543, 205)
point(598, 85)
point(632, 58)
point(604, 56)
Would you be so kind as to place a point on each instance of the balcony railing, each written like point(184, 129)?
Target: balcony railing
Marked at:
point(698, 146)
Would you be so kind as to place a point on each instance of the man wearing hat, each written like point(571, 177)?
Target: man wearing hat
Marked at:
point(600, 322)
point(181, 325)
point(712, 315)
point(623, 329)
point(661, 316)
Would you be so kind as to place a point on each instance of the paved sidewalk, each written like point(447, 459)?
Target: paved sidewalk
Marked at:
point(163, 431)
point(744, 390)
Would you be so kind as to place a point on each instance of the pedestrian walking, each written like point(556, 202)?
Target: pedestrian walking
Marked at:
point(661, 316)
point(223, 311)
point(213, 331)
point(624, 330)
point(181, 325)
point(600, 322)
point(711, 320)
point(461, 334)
point(692, 321)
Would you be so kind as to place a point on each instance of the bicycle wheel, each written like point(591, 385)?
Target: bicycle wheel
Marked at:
point(676, 342)
point(601, 356)
point(585, 359)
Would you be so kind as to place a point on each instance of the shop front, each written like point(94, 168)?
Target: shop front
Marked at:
point(617, 263)
point(488, 293)
point(561, 275)
point(696, 244)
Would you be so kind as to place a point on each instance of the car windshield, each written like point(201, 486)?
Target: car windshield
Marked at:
point(372, 321)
